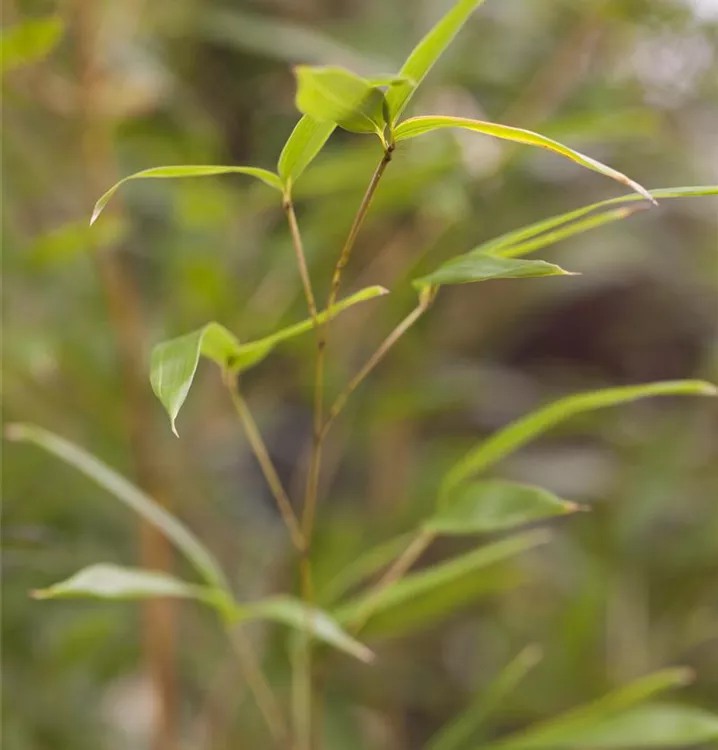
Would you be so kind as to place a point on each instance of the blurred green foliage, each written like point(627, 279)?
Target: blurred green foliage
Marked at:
point(622, 591)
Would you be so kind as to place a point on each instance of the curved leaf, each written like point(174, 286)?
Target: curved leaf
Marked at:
point(168, 173)
point(296, 614)
point(426, 53)
point(475, 266)
point(523, 430)
point(304, 143)
point(332, 94)
point(29, 41)
point(495, 505)
point(173, 363)
point(127, 493)
point(438, 590)
point(537, 235)
point(419, 125)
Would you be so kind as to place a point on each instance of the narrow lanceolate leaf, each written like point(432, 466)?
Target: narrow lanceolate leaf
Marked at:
point(474, 266)
point(603, 717)
point(419, 125)
point(426, 53)
point(296, 614)
point(456, 733)
point(127, 493)
point(523, 430)
point(439, 590)
point(28, 42)
point(547, 231)
point(331, 94)
point(168, 173)
point(107, 581)
point(305, 142)
point(483, 507)
point(173, 364)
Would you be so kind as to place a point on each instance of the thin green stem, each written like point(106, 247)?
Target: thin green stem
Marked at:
point(301, 259)
point(265, 462)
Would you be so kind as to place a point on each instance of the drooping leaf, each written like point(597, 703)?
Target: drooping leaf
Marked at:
point(457, 732)
point(296, 614)
point(474, 266)
point(185, 541)
point(304, 143)
point(168, 173)
point(419, 125)
point(173, 363)
point(437, 591)
point(486, 506)
point(331, 94)
point(573, 728)
point(29, 41)
point(537, 235)
point(108, 581)
point(426, 53)
point(523, 430)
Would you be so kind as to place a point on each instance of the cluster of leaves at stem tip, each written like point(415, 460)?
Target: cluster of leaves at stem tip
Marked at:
point(330, 97)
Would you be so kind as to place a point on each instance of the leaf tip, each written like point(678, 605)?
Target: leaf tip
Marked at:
point(173, 425)
point(15, 432)
point(39, 594)
point(572, 507)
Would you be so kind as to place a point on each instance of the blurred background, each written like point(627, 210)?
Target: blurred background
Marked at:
point(123, 86)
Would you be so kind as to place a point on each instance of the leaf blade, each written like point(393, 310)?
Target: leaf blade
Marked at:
point(175, 172)
point(29, 41)
point(416, 126)
point(100, 473)
point(521, 431)
point(427, 52)
point(303, 144)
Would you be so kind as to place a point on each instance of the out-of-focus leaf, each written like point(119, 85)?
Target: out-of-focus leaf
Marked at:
point(296, 614)
point(419, 125)
point(331, 94)
point(573, 728)
point(304, 143)
point(535, 236)
point(431, 593)
point(426, 53)
point(169, 173)
point(29, 41)
point(474, 266)
point(523, 430)
point(63, 243)
point(107, 581)
point(482, 507)
point(173, 364)
point(127, 493)
point(457, 732)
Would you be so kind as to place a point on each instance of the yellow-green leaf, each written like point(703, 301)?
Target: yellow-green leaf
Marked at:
point(29, 41)
point(304, 143)
point(426, 53)
point(419, 125)
point(495, 505)
point(169, 173)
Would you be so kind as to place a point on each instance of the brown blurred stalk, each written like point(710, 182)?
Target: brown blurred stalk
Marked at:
point(125, 314)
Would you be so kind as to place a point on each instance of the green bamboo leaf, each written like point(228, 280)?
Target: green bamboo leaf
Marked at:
point(419, 125)
point(495, 505)
point(303, 145)
point(426, 53)
point(108, 581)
point(475, 266)
point(185, 541)
point(537, 235)
point(523, 430)
point(296, 614)
point(168, 173)
point(173, 363)
point(439, 590)
point(574, 728)
point(456, 733)
point(331, 94)
point(29, 41)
